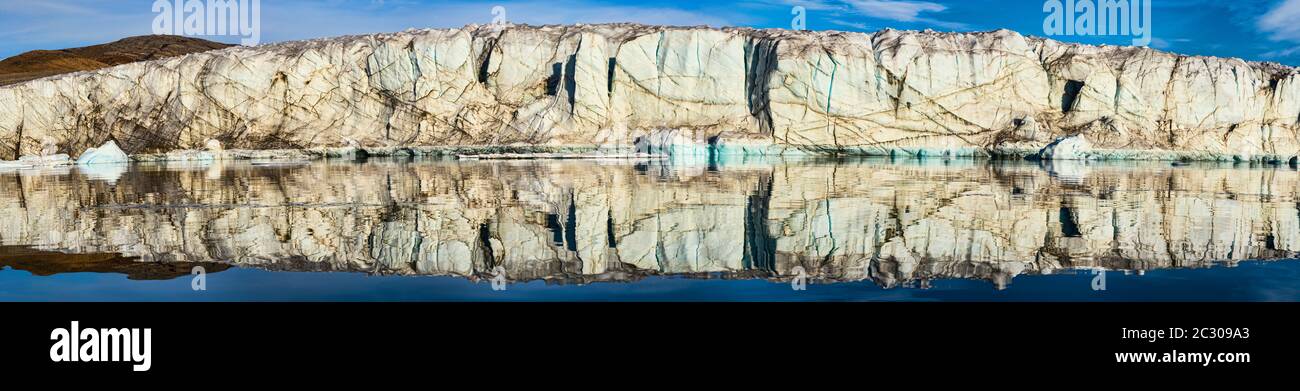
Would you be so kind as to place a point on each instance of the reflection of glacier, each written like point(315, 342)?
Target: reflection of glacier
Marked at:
point(582, 222)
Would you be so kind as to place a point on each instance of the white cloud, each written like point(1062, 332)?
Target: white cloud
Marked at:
point(1280, 53)
point(1282, 23)
point(45, 7)
point(812, 5)
point(904, 11)
point(907, 11)
point(899, 10)
point(854, 25)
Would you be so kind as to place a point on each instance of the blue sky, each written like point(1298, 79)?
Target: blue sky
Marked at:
point(1263, 30)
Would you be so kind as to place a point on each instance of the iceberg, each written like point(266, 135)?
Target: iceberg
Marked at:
point(108, 153)
point(27, 162)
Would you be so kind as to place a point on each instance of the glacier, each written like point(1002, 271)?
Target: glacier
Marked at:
point(685, 92)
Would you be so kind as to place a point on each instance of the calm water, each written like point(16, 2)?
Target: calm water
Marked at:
point(884, 229)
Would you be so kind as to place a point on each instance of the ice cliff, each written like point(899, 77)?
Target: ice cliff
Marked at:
point(578, 222)
point(676, 90)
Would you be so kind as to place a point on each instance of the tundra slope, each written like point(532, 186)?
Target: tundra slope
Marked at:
point(44, 63)
point(675, 90)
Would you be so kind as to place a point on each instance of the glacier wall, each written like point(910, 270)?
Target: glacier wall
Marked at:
point(579, 222)
point(677, 90)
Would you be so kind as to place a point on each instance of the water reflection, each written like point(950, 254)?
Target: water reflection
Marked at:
point(891, 222)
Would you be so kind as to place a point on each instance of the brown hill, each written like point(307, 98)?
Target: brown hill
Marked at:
point(41, 63)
